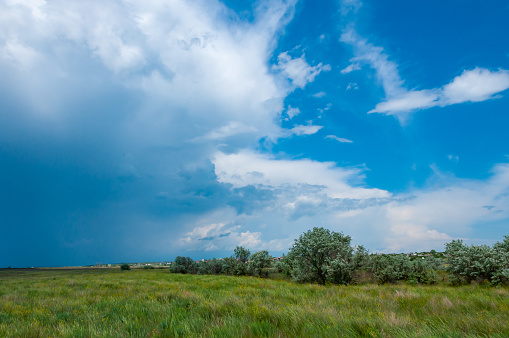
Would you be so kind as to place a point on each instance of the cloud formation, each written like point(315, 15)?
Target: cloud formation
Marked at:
point(297, 70)
point(112, 110)
point(474, 85)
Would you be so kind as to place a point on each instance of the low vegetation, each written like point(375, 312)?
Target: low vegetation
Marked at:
point(327, 257)
point(322, 287)
point(111, 302)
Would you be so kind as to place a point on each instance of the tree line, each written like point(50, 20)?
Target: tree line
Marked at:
point(323, 256)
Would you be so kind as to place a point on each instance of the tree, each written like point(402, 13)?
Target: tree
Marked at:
point(125, 266)
point(259, 261)
point(321, 255)
point(183, 265)
point(242, 254)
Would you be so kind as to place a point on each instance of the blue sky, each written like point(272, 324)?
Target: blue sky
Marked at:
point(141, 130)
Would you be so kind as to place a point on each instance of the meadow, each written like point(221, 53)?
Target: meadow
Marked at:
point(112, 303)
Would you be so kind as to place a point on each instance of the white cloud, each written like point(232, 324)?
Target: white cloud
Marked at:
point(339, 139)
point(305, 130)
point(22, 56)
point(298, 70)
point(184, 59)
point(303, 196)
point(231, 129)
point(406, 102)
point(350, 68)
point(476, 85)
point(367, 53)
point(319, 94)
point(292, 112)
point(238, 169)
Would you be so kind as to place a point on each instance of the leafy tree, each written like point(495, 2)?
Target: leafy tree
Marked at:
point(321, 255)
point(242, 254)
point(258, 262)
point(183, 265)
point(125, 267)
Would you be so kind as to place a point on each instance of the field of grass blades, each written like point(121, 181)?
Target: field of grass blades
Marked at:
point(112, 303)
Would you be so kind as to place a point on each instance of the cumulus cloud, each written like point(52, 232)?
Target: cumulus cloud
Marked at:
point(161, 84)
point(248, 168)
point(297, 70)
point(475, 85)
point(292, 112)
point(423, 219)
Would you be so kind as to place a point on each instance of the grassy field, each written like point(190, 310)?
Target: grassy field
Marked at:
point(109, 302)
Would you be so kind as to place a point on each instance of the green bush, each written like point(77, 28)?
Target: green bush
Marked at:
point(234, 267)
point(321, 255)
point(259, 262)
point(148, 267)
point(389, 268)
point(184, 265)
point(478, 262)
point(125, 267)
point(211, 267)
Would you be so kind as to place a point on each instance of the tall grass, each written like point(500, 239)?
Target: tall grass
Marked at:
point(158, 303)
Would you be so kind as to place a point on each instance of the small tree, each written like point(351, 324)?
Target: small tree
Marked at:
point(125, 267)
point(321, 255)
point(242, 254)
point(183, 265)
point(258, 262)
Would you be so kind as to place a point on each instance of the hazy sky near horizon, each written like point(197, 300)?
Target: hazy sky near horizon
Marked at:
point(140, 130)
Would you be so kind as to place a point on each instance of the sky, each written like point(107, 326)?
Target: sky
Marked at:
point(140, 130)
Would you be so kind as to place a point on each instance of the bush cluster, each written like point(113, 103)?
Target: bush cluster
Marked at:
point(478, 262)
point(323, 256)
point(244, 263)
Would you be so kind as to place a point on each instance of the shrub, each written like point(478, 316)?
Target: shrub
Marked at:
point(183, 265)
point(361, 257)
point(125, 266)
point(478, 262)
point(321, 255)
point(389, 268)
point(148, 267)
point(234, 267)
point(211, 267)
point(258, 263)
point(423, 271)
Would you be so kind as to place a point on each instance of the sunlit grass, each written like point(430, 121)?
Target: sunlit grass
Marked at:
point(156, 302)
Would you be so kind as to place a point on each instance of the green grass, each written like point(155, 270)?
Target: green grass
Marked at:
point(157, 303)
